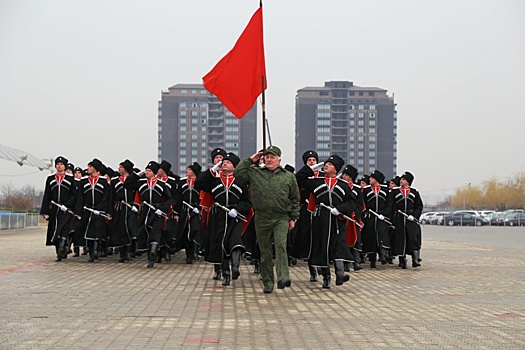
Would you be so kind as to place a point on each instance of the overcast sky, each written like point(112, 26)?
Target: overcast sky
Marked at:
point(82, 78)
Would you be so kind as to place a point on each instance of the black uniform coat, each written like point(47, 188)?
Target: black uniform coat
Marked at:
point(156, 194)
point(328, 231)
point(407, 234)
point(169, 229)
point(357, 216)
point(224, 233)
point(375, 232)
point(124, 226)
point(61, 190)
point(189, 221)
point(95, 194)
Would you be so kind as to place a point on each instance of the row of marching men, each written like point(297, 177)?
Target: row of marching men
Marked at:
point(342, 221)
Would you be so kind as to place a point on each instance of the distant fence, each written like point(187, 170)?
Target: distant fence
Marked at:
point(16, 221)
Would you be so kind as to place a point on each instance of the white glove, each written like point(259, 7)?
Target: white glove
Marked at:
point(216, 167)
point(335, 212)
point(96, 212)
point(134, 209)
point(381, 217)
point(158, 212)
point(317, 166)
point(411, 218)
point(176, 218)
point(196, 211)
point(46, 217)
point(63, 207)
point(233, 213)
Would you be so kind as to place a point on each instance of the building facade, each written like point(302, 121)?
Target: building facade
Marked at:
point(357, 123)
point(192, 122)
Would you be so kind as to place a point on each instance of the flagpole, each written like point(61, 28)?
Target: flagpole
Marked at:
point(263, 114)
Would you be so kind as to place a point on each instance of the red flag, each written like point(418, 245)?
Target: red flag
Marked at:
point(237, 79)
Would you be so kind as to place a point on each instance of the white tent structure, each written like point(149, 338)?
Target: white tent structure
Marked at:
point(23, 158)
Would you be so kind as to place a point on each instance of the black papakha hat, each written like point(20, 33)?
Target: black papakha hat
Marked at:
point(216, 152)
point(232, 157)
point(310, 154)
point(153, 166)
point(378, 176)
point(128, 165)
point(166, 166)
point(70, 166)
point(408, 176)
point(365, 178)
point(61, 159)
point(396, 180)
point(337, 161)
point(350, 171)
point(196, 167)
point(289, 168)
point(95, 163)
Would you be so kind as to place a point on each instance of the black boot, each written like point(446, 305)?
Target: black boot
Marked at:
point(84, 250)
point(189, 253)
point(372, 258)
point(382, 256)
point(95, 250)
point(217, 275)
point(124, 255)
point(326, 277)
point(257, 268)
point(403, 262)
point(152, 253)
point(62, 252)
point(195, 251)
point(76, 250)
point(167, 255)
point(159, 255)
point(103, 249)
point(346, 265)
point(313, 273)
point(91, 249)
point(225, 267)
point(133, 248)
point(340, 276)
point(356, 264)
point(236, 258)
point(415, 258)
point(57, 251)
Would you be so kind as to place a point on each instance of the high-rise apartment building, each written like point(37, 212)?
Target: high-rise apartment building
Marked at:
point(357, 123)
point(192, 122)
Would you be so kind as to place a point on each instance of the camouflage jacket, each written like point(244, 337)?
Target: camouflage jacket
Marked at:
point(275, 194)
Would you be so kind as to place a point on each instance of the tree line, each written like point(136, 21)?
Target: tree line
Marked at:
point(26, 198)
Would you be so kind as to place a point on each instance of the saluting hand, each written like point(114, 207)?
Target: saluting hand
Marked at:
point(291, 225)
point(255, 158)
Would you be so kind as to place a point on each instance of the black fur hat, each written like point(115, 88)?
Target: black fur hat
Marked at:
point(232, 157)
point(378, 176)
point(408, 176)
point(153, 166)
point(309, 154)
point(217, 151)
point(337, 161)
point(350, 171)
point(196, 167)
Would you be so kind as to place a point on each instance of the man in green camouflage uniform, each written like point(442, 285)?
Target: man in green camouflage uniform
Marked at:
point(275, 199)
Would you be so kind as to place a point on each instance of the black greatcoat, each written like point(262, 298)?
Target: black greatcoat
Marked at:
point(169, 229)
point(407, 234)
point(375, 232)
point(358, 214)
point(224, 233)
point(62, 192)
point(328, 231)
point(155, 193)
point(95, 194)
point(124, 226)
point(189, 221)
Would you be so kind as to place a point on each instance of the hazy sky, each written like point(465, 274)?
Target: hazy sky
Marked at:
point(82, 78)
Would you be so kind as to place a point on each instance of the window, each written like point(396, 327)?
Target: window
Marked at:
point(183, 160)
point(183, 91)
point(323, 130)
point(361, 122)
point(352, 115)
point(371, 138)
point(194, 114)
point(350, 106)
point(372, 115)
point(360, 146)
point(360, 154)
point(372, 130)
point(352, 93)
point(194, 144)
point(371, 162)
point(232, 129)
point(371, 146)
point(183, 104)
point(351, 122)
point(371, 122)
point(194, 152)
point(204, 152)
point(323, 115)
point(323, 146)
point(323, 122)
point(360, 138)
point(183, 136)
point(351, 130)
point(360, 130)
point(372, 107)
point(232, 137)
point(183, 113)
point(182, 168)
point(194, 136)
point(352, 154)
point(228, 114)
point(360, 161)
point(372, 154)
point(194, 91)
point(203, 129)
point(352, 138)
point(183, 152)
point(203, 113)
point(232, 145)
point(203, 121)
point(323, 106)
point(203, 146)
point(183, 144)
point(361, 106)
point(203, 92)
point(323, 153)
point(323, 93)
point(323, 138)
point(361, 93)
point(361, 115)
point(183, 121)
point(232, 121)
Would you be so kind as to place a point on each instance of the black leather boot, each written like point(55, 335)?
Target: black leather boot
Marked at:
point(236, 258)
point(167, 255)
point(382, 256)
point(346, 265)
point(195, 251)
point(225, 267)
point(57, 251)
point(95, 250)
point(62, 252)
point(159, 255)
point(257, 268)
point(123, 254)
point(415, 258)
point(217, 275)
point(152, 253)
point(313, 273)
point(189, 254)
point(91, 249)
point(76, 250)
point(356, 264)
point(403, 262)
point(84, 250)
point(372, 258)
point(133, 248)
point(326, 277)
point(103, 249)
point(340, 276)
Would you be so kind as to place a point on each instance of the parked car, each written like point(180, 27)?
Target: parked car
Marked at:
point(465, 219)
point(512, 219)
point(438, 218)
point(497, 217)
point(487, 213)
point(425, 217)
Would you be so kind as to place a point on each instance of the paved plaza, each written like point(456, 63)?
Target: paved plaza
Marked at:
point(466, 295)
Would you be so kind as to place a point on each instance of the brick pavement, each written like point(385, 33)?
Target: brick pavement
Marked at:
point(463, 297)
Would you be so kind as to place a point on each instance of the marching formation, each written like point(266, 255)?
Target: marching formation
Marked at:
point(323, 214)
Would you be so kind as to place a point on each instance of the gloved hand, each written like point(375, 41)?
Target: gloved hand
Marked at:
point(195, 210)
point(317, 166)
point(96, 212)
point(176, 218)
point(216, 167)
point(411, 218)
point(381, 217)
point(63, 207)
point(233, 213)
point(134, 209)
point(335, 212)
point(46, 217)
point(158, 212)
